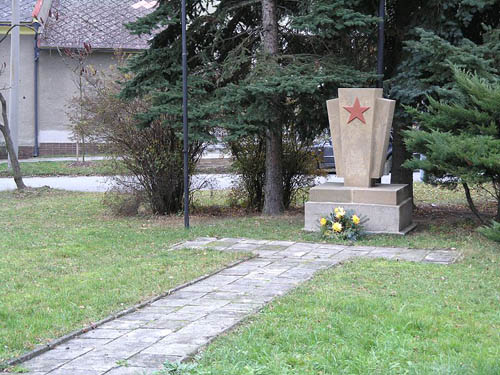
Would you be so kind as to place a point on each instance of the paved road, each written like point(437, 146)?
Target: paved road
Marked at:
point(175, 327)
point(209, 154)
point(102, 184)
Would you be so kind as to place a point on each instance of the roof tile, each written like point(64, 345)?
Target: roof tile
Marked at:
point(99, 23)
point(25, 7)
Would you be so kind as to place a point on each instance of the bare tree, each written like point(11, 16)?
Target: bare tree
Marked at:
point(82, 70)
point(4, 128)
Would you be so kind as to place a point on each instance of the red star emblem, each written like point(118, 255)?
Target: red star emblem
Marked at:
point(357, 111)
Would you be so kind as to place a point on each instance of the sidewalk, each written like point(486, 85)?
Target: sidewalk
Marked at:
point(99, 184)
point(176, 327)
point(209, 154)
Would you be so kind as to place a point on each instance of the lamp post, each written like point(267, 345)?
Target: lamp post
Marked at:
point(185, 115)
point(14, 77)
point(381, 40)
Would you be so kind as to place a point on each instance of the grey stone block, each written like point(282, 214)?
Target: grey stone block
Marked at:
point(181, 294)
point(177, 350)
point(92, 363)
point(166, 323)
point(62, 371)
point(200, 288)
point(411, 255)
point(61, 353)
point(219, 280)
point(147, 335)
point(441, 256)
point(150, 360)
point(384, 215)
point(169, 302)
point(243, 247)
point(143, 315)
point(100, 333)
point(43, 364)
point(123, 324)
point(222, 295)
point(132, 370)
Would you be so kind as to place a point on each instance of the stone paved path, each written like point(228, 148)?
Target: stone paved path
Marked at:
point(177, 326)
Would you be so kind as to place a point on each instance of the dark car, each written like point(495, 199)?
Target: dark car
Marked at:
point(327, 159)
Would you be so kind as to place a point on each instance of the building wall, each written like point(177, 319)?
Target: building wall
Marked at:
point(58, 78)
point(58, 86)
point(26, 102)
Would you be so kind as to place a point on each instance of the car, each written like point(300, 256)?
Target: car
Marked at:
point(326, 158)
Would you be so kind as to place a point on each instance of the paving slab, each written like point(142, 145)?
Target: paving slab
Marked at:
point(177, 326)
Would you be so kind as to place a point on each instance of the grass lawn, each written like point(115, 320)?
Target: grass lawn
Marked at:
point(373, 317)
point(379, 317)
point(64, 168)
point(64, 264)
point(97, 168)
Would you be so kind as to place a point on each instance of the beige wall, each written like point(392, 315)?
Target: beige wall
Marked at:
point(26, 117)
point(57, 85)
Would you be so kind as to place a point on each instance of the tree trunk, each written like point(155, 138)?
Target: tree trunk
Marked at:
point(400, 175)
point(471, 204)
point(16, 169)
point(273, 190)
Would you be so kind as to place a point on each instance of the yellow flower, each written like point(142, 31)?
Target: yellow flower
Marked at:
point(322, 221)
point(337, 227)
point(339, 213)
point(355, 219)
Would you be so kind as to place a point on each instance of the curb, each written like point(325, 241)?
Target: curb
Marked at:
point(61, 340)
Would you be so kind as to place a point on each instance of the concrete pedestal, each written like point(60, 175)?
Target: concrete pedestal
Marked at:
point(387, 208)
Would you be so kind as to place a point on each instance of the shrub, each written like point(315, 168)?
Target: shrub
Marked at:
point(249, 153)
point(492, 232)
point(122, 203)
point(150, 150)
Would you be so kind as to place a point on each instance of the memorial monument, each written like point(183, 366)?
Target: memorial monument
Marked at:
point(360, 125)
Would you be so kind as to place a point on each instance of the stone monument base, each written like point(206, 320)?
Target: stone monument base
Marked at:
point(385, 208)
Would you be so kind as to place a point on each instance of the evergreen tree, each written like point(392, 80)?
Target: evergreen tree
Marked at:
point(421, 37)
point(460, 137)
point(239, 81)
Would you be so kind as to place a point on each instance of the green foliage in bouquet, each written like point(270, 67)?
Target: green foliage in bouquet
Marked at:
point(342, 225)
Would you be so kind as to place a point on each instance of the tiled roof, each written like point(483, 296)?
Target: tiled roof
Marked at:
point(100, 23)
point(26, 7)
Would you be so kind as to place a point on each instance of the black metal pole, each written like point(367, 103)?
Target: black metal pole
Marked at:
point(185, 115)
point(36, 149)
point(381, 40)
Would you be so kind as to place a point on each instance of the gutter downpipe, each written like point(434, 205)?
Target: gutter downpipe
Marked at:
point(36, 150)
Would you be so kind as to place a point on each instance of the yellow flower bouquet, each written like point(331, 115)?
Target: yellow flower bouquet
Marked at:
point(341, 224)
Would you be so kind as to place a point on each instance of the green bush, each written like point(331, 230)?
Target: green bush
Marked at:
point(151, 150)
point(492, 232)
point(249, 153)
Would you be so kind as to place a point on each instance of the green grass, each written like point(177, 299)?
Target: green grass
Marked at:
point(64, 264)
point(448, 224)
point(97, 168)
point(373, 317)
point(64, 168)
point(377, 317)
